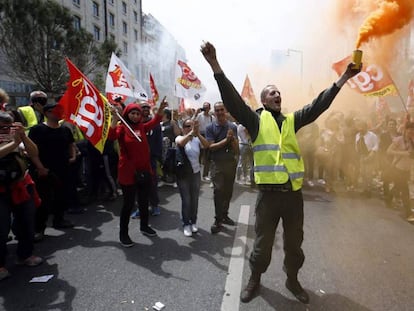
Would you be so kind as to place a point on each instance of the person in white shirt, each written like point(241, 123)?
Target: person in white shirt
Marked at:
point(188, 175)
point(246, 156)
point(366, 144)
point(205, 118)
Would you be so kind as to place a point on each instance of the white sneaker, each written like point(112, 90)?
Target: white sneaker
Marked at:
point(187, 230)
point(194, 228)
point(211, 185)
point(310, 183)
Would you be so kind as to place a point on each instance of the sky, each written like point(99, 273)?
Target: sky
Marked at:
point(243, 32)
point(307, 37)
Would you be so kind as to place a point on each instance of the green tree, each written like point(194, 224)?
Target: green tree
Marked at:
point(37, 35)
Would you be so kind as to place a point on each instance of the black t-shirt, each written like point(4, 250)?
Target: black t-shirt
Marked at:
point(54, 146)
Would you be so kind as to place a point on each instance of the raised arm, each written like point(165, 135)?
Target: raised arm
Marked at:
point(232, 100)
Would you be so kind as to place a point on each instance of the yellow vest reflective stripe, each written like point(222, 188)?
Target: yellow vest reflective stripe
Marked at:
point(276, 154)
point(30, 116)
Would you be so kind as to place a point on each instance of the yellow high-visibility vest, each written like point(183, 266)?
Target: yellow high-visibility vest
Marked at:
point(276, 154)
point(30, 115)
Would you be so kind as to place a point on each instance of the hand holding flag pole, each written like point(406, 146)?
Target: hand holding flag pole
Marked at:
point(117, 116)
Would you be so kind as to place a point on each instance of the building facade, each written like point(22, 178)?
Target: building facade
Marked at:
point(141, 39)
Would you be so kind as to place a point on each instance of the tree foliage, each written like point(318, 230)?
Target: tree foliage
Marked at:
point(37, 35)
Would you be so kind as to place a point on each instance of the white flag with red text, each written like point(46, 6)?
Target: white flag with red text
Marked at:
point(187, 84)
point(373, 80)
point(121, 81)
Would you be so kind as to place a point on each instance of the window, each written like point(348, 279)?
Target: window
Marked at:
point(124, 7)
point(136, 35)
point(96, 33)
point(125, 28)
point(111, 2)
point(76, 2)
point(95, 7)
point(76, 22)
point(111, 20)
point(125, 47)
point(136, 17)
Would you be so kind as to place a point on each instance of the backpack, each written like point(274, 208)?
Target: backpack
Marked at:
point(183, 166)
point(12, 168)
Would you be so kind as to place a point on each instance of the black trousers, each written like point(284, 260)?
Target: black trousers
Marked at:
point(222, 175)
point(130, 192)
point(271, 206)
point(53, 190)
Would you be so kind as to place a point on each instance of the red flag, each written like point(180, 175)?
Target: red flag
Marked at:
point(154, 90)
point(85, 107)
point(248, 95)
point(373, 80)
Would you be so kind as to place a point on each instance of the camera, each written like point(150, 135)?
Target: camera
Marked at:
point(202, 109)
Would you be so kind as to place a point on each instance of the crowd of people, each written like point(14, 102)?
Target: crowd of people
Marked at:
point(47, 167)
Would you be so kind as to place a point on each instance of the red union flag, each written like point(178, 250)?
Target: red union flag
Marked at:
point(373, 80)
point(248, 95)
point(85, 107)
point(154, 91)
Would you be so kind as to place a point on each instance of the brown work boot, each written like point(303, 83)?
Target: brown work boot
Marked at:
point(251, 289)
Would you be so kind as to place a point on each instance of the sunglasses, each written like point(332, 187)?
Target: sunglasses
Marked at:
point(187, 126)
point(40, 100)
point(5, 127)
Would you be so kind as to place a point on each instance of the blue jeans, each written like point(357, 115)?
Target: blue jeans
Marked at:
point(23, 226)
point(189, 187)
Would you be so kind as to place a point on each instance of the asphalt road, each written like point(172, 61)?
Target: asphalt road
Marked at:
point(359, 256)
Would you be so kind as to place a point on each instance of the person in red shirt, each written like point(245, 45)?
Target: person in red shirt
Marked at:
point(134, 166)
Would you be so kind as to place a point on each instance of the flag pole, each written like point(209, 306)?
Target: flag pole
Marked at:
point(124, 122)
point(127, 125)
point(398, 93)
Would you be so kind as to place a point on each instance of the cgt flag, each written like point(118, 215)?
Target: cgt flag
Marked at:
point(373, 80)
point(154, 91)
point(85, 107)
point(120, 80)
point(248, 95)
point(187, 84)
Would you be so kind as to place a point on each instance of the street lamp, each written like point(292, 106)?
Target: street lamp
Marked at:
point(301, 62)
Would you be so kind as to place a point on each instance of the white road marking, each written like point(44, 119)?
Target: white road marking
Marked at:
point(231, 298)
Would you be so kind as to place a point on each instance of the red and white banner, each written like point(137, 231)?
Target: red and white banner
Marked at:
point(154, 91)
point(85, 107)
point(187, 84)
point(248, 95)
point(121, 81)
point(373, 80)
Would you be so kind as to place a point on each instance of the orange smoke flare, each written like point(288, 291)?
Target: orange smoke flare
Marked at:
point(390, 16)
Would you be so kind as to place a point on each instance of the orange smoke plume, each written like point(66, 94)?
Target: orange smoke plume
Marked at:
point(390, 16)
